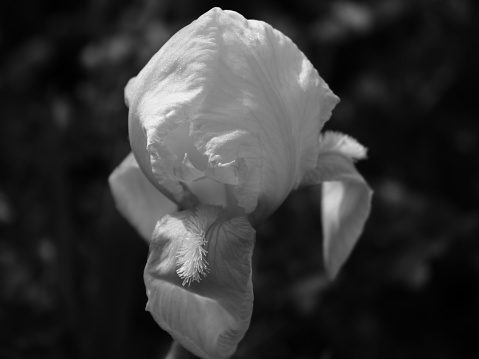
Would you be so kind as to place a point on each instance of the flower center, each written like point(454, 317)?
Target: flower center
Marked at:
point(207, 190)
point(180, 143)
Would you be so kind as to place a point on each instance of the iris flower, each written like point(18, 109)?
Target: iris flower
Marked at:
point(225, 121)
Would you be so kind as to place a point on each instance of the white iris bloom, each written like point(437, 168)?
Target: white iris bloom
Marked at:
point(224, 123)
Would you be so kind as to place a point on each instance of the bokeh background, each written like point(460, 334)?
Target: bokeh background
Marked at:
point(71, 268)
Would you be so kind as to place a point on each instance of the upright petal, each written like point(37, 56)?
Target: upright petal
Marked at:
point(198, 279)
point(248, 103)
point(346, 197)
point(136, 198)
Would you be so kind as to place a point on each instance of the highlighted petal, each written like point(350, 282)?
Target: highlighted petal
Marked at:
point(346, 197)
point(198, 279)
point(136, 198)
point(248, 102)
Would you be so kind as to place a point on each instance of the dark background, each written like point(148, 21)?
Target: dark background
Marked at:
point(71, 268)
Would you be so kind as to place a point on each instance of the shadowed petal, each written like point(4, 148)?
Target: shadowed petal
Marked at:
point(178, 352)
point(136, 198)
point(346, 197)
point(198, 279)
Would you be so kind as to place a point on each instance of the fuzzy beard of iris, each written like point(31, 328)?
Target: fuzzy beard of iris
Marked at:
point(191, 256)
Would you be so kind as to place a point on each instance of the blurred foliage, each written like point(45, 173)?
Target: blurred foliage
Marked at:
point(71, 269)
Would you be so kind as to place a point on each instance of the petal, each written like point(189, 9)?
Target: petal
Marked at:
point(130, 90)
point(178, 352)
point(346, 197)
point(251, 102)
point(198, 279)
point(136, 198)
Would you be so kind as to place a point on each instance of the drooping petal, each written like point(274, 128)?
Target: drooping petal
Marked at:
point(346, 197)
point(136, 198)
point(198, 279)
point(247, 99)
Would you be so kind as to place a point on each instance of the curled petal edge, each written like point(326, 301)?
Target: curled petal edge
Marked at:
point(209, 314)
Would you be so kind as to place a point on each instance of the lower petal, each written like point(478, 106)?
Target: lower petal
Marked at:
point(207, 311)
point(346, 204)
point(345, 197)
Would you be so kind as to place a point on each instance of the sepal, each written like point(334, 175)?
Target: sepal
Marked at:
point(345, 197)
point(136, 198)
point(208, 316)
